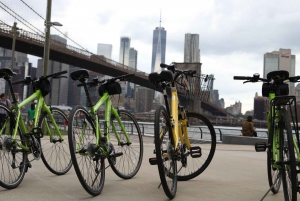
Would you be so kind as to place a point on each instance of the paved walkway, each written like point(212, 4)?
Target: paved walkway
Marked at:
point(236, 173)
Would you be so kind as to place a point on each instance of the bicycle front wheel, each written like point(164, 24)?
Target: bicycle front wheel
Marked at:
point(128, 164)
point(289, 173)
point(164, 149)
point(89, 167)
point(13, 161)
point(202, 136)
point(55, 146)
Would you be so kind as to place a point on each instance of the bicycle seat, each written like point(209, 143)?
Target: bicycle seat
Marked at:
point(280, 74)
point(165, 75)
point(4, 72)
point(80, 75)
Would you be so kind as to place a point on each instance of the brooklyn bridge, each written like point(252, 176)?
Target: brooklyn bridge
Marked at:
point(33, 44)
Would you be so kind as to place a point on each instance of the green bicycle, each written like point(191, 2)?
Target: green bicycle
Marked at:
point(117, 138)
point(283, 145)
point(47, 140)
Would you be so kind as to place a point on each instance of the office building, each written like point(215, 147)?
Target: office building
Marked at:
point(260, 107)
point(59, 87)
point(144, 97)
point(104, 50)
point(124, 51)
point(235, 109)
point(158, 48)
point(21, 66)
point(281, 60)
point(130, 87)
point(191, 48)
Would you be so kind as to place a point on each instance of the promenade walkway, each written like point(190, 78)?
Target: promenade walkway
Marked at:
point(237, 173)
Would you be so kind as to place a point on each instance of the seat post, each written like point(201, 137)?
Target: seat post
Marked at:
point(87, 95)
point(11, 90)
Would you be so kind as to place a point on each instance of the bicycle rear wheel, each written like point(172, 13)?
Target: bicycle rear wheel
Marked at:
point(289, 173)
point(201, 135)
point(11, 172)
point(55, 152)
point(164, 148)
point(273, 173)
point(89, 167)
point(127, 165)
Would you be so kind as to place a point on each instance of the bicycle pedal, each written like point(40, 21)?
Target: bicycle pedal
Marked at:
point(196, 152)
point(260, 146)
point(153, 161)
point(116, 154)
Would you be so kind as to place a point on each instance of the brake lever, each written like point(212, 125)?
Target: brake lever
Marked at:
point(246, 81)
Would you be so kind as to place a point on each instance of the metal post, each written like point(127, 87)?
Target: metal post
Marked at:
point(14, 29)
point(47, 37)
point(13, 45)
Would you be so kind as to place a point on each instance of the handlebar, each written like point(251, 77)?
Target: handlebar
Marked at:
point(95, 81)
point(54, 75)
point(172, 68)
point(241, 78)
point(28, 79)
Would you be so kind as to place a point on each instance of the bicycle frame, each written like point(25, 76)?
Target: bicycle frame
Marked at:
point(179, 126)
point(277, 136)
point(109, 110)
point(40, 107)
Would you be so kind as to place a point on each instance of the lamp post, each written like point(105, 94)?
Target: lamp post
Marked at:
point(48, 24)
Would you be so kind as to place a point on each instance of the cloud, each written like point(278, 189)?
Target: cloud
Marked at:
point(234, 35)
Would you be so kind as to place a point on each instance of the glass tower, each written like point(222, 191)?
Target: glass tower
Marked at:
point(104, 50)
point(124, 51)
point(130, 87)
point(191, 48)
point(158, 48)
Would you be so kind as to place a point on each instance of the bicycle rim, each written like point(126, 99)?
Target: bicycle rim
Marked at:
point(89, 168)
point(201, 135)
point(55, 152)
point(128, 164)
point(167, 165)
point(11, 174)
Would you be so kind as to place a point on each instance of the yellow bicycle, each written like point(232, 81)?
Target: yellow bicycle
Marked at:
point(185, 142)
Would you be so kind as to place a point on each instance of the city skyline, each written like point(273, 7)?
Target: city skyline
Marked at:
point(232, 41)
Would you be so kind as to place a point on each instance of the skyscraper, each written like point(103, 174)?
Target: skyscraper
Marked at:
point(104, 50)
point(281, 60)
point(191, 48)
point(133, 58)
point(158, 48)
point(124, 50)
point(133, 64)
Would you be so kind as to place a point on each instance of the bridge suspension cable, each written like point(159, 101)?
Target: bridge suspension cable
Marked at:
point(21, 18)
point(55, 27)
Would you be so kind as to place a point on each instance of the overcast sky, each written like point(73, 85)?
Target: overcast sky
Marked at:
point(234, 35)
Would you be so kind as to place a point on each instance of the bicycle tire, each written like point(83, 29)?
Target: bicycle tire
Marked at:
point(273, 173)
point(127, 165)
point(11, 177)
point(61, 163)
point(166, 163)
point(289, 174)
point(90, 174)
point(203, 137)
